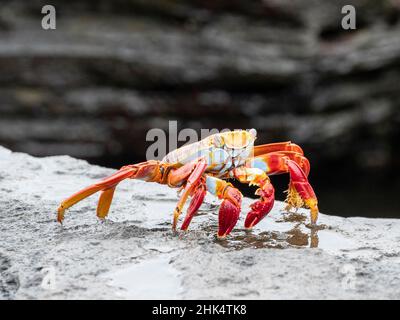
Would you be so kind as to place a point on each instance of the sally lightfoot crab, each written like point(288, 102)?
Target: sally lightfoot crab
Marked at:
point(205, 166)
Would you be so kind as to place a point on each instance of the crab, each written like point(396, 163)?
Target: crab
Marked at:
point(205, 166)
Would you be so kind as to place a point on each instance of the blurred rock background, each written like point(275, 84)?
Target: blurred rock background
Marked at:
point(112, 70)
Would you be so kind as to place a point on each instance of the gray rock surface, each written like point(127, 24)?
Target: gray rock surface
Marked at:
point(134, 254)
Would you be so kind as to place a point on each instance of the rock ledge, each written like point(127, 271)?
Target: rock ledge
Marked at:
point(135, 255)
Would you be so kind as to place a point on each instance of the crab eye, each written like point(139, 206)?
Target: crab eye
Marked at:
point(253, 132)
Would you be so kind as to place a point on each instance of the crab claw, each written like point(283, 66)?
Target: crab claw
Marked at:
point(300, 191)
point(262, 207)
point(229, 211)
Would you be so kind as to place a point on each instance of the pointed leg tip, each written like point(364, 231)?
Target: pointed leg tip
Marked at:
point(101, 214)
point(174, 230)
point(248, 226)
point(174, 223)
point(314, 222)
point(249, 223)
point(102, 219)
point(221, 237)
point(314, 212)
point(60, 214)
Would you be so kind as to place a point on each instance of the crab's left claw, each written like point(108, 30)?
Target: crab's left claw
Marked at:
point(300, 192)
point(262, 207)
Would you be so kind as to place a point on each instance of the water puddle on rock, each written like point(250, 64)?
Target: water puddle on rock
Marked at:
point(288, 232)
point(150, 279)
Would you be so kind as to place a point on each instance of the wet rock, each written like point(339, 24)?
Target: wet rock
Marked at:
point(120, 257)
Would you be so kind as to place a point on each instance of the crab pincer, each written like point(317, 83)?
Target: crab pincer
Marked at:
point(262, 207)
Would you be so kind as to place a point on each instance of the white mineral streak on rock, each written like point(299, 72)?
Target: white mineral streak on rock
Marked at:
point(349, 258)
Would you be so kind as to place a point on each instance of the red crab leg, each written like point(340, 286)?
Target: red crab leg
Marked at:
point(230, 207)
point(300, 192)
point(190, 174)
point(274, 162)
point(262, 207)
point(299, 186)
point(279, 146)
point(148, 171)
point(197, 199)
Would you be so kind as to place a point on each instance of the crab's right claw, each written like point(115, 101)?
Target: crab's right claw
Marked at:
point(229, 211)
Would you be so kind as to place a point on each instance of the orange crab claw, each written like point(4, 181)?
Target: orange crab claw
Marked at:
point(262, 207)
point(229, 211)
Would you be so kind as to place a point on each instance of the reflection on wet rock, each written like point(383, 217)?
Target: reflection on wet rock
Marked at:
point(278, 240)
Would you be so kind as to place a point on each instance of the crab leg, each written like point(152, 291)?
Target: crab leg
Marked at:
point(197, 199)
point(274, 163)
point(279, 146)
point(260, 208)
point(190, 174)
point(230, 207)
point(149, 171)
point(104, 204)
point(300, 192)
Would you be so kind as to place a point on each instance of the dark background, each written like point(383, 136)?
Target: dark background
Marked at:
point(115, 69)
